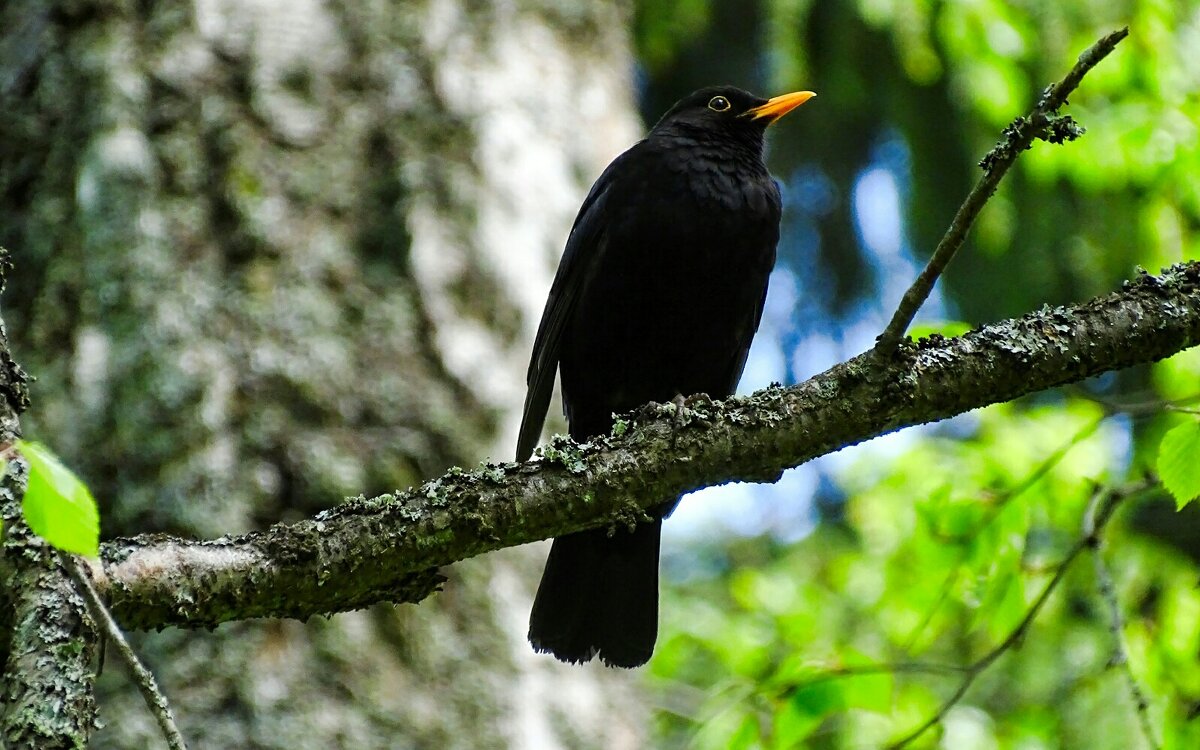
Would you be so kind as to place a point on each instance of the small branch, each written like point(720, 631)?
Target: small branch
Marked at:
point(1145, 407)
point(977, 668)
point(142, 677)
point(684, 700)
point(1042, 122)
point(865, 670)
point(389, 548)
point(1120, 658)
point(1088, 540)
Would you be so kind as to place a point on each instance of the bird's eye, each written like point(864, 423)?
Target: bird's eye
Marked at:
point(718, 104)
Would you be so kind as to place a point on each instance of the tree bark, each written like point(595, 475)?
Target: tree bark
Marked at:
point(272, 254)
point(47, 641)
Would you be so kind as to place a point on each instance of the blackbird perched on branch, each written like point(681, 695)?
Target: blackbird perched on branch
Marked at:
point(658, 294)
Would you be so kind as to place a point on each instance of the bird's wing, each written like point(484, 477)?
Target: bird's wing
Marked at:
point(585, 246)
point(743, 344)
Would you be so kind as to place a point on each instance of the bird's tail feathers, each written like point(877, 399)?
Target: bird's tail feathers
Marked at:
point(599, 597)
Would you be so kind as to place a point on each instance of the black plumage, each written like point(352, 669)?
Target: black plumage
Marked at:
point(658, 295)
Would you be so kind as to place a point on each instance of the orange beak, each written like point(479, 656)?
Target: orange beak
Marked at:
point(779, 106)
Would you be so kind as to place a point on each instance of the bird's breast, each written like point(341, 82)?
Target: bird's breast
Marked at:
point(716, 179)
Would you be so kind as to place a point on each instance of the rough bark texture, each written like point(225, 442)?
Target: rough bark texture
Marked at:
point(386, 548)
point(48, 644)
point(50, 650)
point(270, 254)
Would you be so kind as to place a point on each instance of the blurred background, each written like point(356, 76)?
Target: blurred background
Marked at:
point(270, 255)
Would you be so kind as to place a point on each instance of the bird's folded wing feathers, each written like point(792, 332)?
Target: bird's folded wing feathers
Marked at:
point(585, 246)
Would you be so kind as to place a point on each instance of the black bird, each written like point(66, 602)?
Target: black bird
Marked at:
point(658, 294)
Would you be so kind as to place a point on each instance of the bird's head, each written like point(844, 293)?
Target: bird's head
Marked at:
point(729, 110)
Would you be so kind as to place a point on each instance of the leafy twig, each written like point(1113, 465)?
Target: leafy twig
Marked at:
point(977, 668)
point(1120, 657)
point(1100, 515)
point(1144, 407)
point(155, 700)
point(1043, 122)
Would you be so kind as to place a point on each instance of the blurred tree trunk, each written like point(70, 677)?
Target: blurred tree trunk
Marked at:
point(272, 254)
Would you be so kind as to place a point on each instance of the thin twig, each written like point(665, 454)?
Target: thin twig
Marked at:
point(977, 668)
point(1100, 515)
point(1120, 657)
point(1144, 407)
point(155, 700)
point(1181, 409)
point(943, 596)
point(864, 670)
point(1042, 122)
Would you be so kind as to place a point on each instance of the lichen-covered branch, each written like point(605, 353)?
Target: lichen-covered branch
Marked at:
point(388, 548)
point(1042, 122)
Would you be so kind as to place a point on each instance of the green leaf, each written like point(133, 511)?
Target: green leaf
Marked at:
point(791, 724)
point(959, 521)
point(1003, 606)
point(1179, 462)
point(819, 697)
point(804, 711)
point(746, 735)
point(946, 328)
point(871, 691)
point(57, 506)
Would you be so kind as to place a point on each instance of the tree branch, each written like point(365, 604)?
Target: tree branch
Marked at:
point(1116, 627)
point(1042, 122)
point(142, 677)
point(388, 548)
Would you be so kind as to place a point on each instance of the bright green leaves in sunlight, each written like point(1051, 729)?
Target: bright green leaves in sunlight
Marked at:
point(856, 635)
point(804, 712)
point(57, 506)
point(820, 693)
point(1179, 462)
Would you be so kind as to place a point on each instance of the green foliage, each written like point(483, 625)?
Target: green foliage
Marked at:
point(661, 27)
point(1179, 462)
point(857, 634)
point(57, 506)
point(1071, 221)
